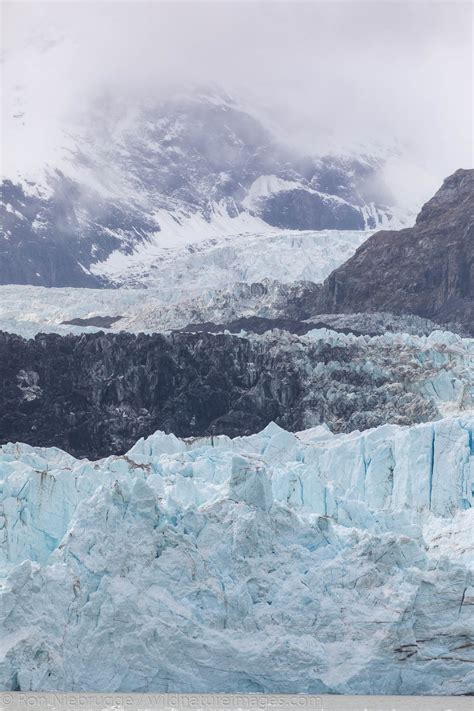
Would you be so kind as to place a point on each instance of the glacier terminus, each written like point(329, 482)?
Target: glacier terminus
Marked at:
point(277, 562)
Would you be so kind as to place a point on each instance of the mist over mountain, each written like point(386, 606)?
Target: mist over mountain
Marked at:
point(173, 172)
point(129, 132)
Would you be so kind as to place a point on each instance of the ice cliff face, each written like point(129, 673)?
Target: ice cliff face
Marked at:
point(280, 562)
point(96, 394)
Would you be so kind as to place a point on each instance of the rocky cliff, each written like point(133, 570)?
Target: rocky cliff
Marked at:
point(426, 270)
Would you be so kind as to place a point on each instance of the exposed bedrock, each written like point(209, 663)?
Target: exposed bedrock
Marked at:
point(425, 270)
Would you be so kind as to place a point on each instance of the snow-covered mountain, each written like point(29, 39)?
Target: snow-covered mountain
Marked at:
point(297, 563)
point(129, 185)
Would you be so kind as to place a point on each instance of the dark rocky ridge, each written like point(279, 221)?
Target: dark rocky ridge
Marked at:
point(259, 325)
point(96, 321)
point(96, 394)
point(360, 324)
point(302, 210)
point(427, 270)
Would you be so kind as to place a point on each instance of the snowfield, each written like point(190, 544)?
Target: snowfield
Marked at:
point(278, 562)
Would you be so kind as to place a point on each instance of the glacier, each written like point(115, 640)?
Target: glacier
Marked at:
point(28, 310)
point(278, 562)
point(179, 280)
point(203, 259)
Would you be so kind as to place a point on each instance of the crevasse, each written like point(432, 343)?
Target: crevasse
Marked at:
point(306, 562)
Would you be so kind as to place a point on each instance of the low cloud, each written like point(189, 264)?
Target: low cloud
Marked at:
point(330, 74)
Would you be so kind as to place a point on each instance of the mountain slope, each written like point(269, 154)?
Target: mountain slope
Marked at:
point(169, 173)
point(36, 245)
point(426, 270)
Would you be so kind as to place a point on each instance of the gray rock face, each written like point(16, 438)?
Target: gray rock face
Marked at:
point(302, 210)
point(35, 244)
point(96, 394)
point(427, 270)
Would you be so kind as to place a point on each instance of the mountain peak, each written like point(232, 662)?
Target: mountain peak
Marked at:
point(456, 193)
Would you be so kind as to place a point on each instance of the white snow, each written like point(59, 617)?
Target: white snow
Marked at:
point(267, 185)
point(177, 232)
point(177, 272)
point(281, 562)
point(225, 250)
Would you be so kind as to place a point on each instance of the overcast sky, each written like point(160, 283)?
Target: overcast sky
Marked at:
point(331, 73)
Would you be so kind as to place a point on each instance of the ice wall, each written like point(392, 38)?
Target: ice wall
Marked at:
point(306, 562)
